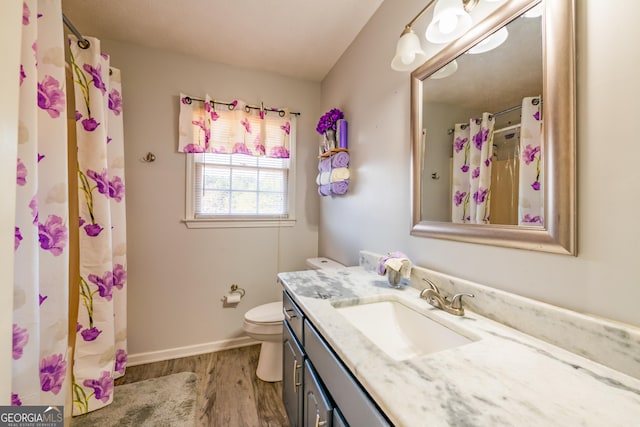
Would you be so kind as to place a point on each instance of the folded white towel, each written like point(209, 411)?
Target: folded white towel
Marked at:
point(323, 178)
point(401, 265)
point(339, 174)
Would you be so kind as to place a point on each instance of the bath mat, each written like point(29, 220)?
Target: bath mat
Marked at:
point(164, 401)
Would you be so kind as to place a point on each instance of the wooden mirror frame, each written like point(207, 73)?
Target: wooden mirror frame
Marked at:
point(558, 235)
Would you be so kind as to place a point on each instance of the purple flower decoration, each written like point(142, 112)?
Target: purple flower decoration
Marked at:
point(26, 13)
point(42, 298)
point(21, 177)
point(286, 128)
point(234, 103)
point(529, 219)
point(90, 124)
point(52, 373)
point(241, 148)
point(480, 137)
point(102, 387)
point(246, 124)
point(475, 173)
point(90, 334)
point(119, 276)
point(18, 237)
point(193, 148)
point(529, 153)
point(464, 168)
point(101, 179)
point(537, 115)
point(259, 147)
point(20, 339)
point(53, 235)
point(96, 73)
point(487, 162)
point(40, 157)
point(78, 115)
point(121, 361)
point(109, 139)
point(279, 152)
point(214, 116)
point(480, 195)
point(78, 326)
point(51, 96)
point(458, 198)
point(115, 102)
point(22, 74)
point(81, 221)
point(104, 284)
point(116, 189)
point(93, 230)
point(536, 185)
point(33, 204)
point(328, 120)
point(459, 144)
point(15, 400)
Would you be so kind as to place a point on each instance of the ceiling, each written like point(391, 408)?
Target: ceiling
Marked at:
point(297, 38)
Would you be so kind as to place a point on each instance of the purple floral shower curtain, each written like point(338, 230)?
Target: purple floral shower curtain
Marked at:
point(531, 188)
point(472, 156)
point(101, 347)
point(205, 127)
point(40, 317)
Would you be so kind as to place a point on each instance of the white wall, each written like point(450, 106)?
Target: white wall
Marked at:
point(177, 276)
point(375, 214)
point(10, 29)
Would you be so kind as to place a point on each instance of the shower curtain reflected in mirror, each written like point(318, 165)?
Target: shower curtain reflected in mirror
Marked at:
point(472, 153)
point(497, 174)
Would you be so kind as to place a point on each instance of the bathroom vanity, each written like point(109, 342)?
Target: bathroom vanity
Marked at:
point(515, 362)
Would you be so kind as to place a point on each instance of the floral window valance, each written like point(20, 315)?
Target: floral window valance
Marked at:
point(210, 126)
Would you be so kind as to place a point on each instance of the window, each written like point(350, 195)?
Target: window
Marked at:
point(238, 189)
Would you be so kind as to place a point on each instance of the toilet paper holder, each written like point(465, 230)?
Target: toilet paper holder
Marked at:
point(234, 295)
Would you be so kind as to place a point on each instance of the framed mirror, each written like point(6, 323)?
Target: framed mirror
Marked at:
point(493, 132)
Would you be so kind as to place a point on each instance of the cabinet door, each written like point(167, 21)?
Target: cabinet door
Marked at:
point(317, 407)
point(292, 365)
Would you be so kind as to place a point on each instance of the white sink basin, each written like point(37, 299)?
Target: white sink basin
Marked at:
point(399, 331)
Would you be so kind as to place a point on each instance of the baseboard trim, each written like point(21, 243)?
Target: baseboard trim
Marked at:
point(191, 350)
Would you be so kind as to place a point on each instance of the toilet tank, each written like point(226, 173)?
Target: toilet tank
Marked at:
point(322, 263)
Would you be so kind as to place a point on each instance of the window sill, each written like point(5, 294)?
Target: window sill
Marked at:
point(238, 223)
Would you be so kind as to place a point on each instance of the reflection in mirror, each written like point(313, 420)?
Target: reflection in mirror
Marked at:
point(493, 132)
point(478, 161)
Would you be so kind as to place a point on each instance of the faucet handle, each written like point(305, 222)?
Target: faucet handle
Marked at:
point(456, 301)
point(431, 285)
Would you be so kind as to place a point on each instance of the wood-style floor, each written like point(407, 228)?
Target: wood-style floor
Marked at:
point(228, 392)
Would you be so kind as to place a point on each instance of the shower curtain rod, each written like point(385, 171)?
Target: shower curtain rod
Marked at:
point(515, 107)
point(82, 42)
point(231, 106)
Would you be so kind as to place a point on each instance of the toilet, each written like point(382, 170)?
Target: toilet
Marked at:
point(264, 323)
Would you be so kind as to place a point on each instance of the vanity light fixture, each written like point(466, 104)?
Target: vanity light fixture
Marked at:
point(491, 42)
point(445, 71)
point(451, 19)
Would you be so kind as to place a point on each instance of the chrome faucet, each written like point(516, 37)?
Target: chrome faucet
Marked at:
point(433, 297)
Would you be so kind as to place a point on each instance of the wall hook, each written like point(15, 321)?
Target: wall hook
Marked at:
point(150, 157)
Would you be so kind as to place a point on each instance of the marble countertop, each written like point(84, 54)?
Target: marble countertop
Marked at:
point(504, 378)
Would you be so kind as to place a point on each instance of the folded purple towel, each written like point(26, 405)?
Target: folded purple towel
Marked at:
point(324, 165)
point(340, 160)
point(340, 187)
point(324, 190)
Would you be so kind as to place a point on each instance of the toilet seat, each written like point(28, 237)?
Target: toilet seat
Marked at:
point(266, 314)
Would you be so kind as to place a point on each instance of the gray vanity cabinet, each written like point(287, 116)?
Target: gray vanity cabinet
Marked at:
point(292, 362)
point(292, 375)
point(317, 389)
point(317, 406)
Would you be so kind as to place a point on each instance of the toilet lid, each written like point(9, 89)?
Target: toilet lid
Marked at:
point(271, 312)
